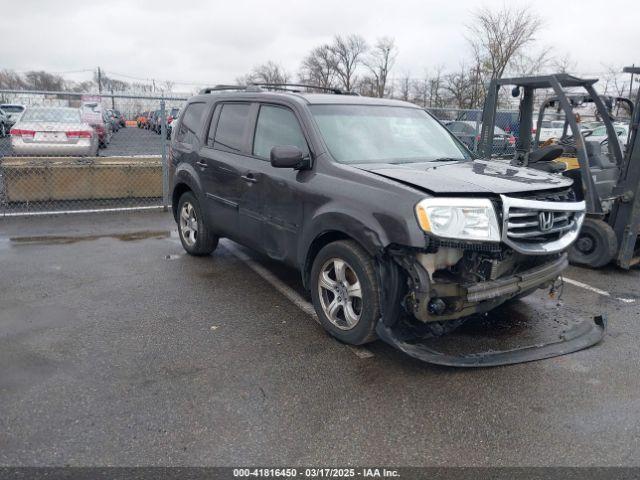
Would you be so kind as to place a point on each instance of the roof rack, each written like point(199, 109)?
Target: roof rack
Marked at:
point(285, 87)
point(292, 86)
point(220, 88)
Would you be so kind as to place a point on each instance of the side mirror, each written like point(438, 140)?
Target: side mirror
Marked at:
point(289, 156)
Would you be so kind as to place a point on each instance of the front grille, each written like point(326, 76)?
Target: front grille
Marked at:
point(529, 225)
point(540, 226)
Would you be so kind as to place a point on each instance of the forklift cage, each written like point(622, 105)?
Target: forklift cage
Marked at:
point(624, 216)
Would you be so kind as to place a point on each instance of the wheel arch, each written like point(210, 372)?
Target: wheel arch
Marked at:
point(184, 180)
point(332, 227)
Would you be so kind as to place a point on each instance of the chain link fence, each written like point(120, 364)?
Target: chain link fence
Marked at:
point(69, 152)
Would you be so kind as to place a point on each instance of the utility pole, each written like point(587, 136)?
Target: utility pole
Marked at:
point(99, 80)
point(631, 83)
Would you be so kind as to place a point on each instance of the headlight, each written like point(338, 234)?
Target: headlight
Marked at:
point(462, 218)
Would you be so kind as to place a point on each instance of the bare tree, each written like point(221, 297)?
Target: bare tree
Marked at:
point(404, 87)
point(435, 86)
point(525, 64)
point(347, 55)
point(496, 36)
point(41, 80)
point(457, 86)
point(269, 72)
point(379, 62)
point(317, 67)
point(420, 89)
point(613, 81)
point(11, 80)
point(564, 64)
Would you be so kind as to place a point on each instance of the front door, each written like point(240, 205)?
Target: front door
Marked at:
point(272, 197)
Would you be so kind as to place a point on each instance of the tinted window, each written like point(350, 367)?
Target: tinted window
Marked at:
point(190, 122)
point(231, 126)
point(277, 126)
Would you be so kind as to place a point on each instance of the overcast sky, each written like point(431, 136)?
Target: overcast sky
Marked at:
point(216, 41)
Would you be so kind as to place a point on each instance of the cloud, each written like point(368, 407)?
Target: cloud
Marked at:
point(214, 41)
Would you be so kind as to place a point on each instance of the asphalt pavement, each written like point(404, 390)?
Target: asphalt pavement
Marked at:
point(116, 348)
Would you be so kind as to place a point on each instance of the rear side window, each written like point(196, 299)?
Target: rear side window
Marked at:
point(190, 123)
point(231, 127)
point(277, 126)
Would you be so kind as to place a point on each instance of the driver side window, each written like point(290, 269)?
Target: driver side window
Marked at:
point(277, 126)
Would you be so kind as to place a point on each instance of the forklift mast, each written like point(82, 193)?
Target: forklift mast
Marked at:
point(524, 145)
point(626, 213)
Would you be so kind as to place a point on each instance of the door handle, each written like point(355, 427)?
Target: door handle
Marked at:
point(202, 164)
point(249, 178)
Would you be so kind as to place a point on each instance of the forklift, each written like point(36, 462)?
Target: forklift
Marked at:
point(614, 105)
point(607, 180)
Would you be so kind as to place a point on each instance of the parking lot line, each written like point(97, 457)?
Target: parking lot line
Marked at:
point(604, 293)
point(293, 296)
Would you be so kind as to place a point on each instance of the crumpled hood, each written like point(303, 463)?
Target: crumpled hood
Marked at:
point(477, 176)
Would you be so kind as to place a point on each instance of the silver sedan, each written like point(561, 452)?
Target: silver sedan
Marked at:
point(53, 131)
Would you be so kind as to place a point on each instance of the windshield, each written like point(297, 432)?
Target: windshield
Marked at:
point(384, 134)
point(51, 115)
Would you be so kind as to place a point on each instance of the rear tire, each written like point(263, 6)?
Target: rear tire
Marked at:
point(345, 292)
point(596, 246)
point(196, 238)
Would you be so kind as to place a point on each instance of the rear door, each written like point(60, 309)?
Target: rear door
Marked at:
point(222, 163)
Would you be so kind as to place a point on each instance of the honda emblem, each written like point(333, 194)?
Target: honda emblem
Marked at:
point(545, 220)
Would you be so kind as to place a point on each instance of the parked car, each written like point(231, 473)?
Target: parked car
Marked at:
point(157, 122)
point(13, 112)
point(141, 120)
point(391, 222)
point(122, 123)
point(171, 118)
point(53, 131)
point(149, 119)
point(93, 114)
point(551, 129)
point(4, 124)
point(113, 119)
point(466, 131)
point(599, 134)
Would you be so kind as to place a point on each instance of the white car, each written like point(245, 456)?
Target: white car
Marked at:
point(551, 129)
point(53, 131)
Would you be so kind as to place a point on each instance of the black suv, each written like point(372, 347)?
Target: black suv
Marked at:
point(389, 218)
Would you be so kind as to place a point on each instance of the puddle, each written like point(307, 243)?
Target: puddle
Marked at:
point(69, 239)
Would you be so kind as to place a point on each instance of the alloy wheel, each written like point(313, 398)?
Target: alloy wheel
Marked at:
point(340, 293)
point(189, 224)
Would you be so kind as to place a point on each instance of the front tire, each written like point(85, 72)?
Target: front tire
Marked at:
point(196, 238)
point(596, 246)
point(345, 292)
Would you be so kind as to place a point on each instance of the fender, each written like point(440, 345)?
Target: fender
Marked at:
point(185, 174)
point(373, 231)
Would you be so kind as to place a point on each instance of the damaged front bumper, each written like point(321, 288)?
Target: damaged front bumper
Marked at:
point(578, 337)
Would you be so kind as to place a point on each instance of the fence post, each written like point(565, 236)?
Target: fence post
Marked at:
point(165, 164)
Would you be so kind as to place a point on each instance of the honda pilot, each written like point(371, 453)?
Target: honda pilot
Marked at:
point(395, 227)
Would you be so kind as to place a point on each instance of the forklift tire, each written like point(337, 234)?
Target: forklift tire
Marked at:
point(596, 246)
